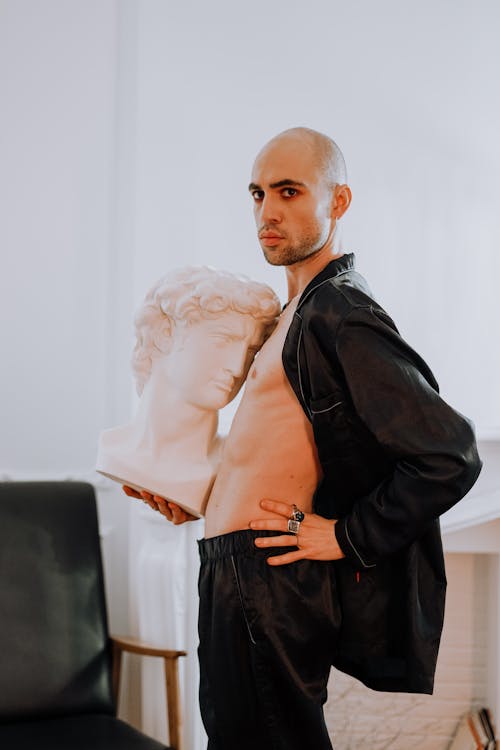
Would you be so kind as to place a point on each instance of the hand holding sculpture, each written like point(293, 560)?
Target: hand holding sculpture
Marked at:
point(196, 336)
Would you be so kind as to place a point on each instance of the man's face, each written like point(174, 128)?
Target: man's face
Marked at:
point(292, 202)
point(210, 358)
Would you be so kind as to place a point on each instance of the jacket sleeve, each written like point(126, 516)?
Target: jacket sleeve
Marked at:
point(432, 446)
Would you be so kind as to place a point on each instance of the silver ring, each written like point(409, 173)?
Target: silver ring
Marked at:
point(297, 514)
point(293, 525)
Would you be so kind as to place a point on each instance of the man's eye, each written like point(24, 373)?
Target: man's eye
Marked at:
point(257, 195)
point(289, 192)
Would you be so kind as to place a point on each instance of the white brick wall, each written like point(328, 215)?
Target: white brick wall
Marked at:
point(362, 719)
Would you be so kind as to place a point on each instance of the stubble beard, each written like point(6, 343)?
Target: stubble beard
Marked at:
point(291, 254)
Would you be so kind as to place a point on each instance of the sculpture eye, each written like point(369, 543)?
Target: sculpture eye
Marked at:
point(221, 338)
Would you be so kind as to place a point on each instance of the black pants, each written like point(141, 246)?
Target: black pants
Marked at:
point(266, 640)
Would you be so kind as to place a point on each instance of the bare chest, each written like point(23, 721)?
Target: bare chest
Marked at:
point(267, 373)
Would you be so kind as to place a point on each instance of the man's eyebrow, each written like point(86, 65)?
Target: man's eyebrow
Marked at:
point(281, 183)
point(285, 183)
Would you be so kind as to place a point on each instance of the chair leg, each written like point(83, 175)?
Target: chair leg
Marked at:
point(115, 677)
point(173, 703)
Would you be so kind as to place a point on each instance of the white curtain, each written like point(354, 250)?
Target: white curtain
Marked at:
point(164, 610)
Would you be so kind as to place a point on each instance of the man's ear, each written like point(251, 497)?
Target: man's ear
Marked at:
point(341, 200)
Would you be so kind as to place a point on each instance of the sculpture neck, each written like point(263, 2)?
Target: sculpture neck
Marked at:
point(162, 418)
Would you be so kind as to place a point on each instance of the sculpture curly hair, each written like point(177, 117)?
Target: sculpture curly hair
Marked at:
point(187, 295)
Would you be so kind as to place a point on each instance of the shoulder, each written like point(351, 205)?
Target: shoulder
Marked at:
point(343, 320)
point(340, 298)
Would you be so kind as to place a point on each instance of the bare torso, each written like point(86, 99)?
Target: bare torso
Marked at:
point(270, 451)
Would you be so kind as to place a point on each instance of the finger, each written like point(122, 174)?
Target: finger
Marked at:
point(153, 505)
point(271, 524)
point(149, 501)
point(130, 492)
point(178, 515)
point(288, 540)
point(163, 507)
point(276, 506)
point(288, 558)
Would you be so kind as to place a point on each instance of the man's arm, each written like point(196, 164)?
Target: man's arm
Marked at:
point(432, 445)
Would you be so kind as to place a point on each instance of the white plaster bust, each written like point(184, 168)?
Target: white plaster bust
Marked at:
point(197, 333)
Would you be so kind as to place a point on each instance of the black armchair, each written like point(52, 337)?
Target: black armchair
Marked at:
point(59, 668)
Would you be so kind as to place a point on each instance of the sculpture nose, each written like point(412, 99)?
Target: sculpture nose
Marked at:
point(235, 363)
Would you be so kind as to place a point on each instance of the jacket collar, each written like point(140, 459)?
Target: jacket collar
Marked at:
point(334, 268)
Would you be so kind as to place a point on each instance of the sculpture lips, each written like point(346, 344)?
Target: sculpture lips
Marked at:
point(224, 386)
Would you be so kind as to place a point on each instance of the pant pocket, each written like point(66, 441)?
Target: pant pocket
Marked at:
point(242, 604)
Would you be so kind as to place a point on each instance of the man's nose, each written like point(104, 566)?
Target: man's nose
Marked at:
point(270, 212)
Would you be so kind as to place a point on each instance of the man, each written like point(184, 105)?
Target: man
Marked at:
point(340, 458)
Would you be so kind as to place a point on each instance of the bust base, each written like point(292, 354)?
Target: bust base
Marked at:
point(191, 495)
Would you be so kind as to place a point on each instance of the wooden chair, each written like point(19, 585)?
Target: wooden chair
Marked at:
point(59, 667)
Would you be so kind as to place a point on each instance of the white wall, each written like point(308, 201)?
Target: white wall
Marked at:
point(58, 196)
point(66, 268)
point(407, 93)
point(128, 131)
point(127, 134)
point(58, 90)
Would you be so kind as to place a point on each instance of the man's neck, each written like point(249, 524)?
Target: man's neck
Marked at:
point(301, 273)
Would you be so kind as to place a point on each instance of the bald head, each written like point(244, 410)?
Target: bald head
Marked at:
point(325, 153)
point(299, 194)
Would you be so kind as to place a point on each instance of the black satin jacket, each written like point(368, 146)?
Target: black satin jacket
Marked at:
point(394, 457)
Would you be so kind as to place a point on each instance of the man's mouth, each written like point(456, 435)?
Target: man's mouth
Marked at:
point(270, 238)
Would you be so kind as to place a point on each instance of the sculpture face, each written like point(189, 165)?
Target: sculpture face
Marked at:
point(209, 359)
point(191, 357)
